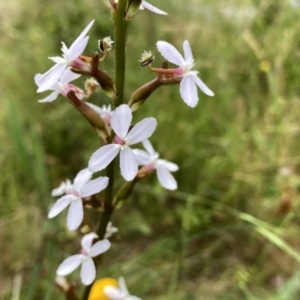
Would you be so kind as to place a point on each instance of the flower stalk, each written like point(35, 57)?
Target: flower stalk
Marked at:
point(120, 49)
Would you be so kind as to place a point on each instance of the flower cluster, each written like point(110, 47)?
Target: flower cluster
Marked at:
point(118, 134)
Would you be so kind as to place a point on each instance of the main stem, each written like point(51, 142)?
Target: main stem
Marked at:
point(120, 63)
point(120, 49)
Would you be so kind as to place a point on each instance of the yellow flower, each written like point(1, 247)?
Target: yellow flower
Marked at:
point(97, 291)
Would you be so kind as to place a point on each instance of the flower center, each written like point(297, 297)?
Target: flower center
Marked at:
point(84, 252)
point(119, 140)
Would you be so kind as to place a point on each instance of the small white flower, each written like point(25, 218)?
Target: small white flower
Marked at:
point(88, 251)
point(190, 80)
point(151, 161)
point(120, 292)
point(70, 57)
point(110, 230)
point(62, 86)
point(81, 188)
point(120, 123)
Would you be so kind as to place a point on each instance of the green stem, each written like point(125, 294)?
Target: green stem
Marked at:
point(120, 48)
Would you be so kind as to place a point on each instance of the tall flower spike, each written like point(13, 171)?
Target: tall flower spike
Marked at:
point(120, 292)
point(150, 160)
point(70, 58)
point(85, 259)
point(120, 124)
point(190, 80)
point(63, 86)
point(81, 188)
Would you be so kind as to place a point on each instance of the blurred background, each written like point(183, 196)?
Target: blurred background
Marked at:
point(232, 229)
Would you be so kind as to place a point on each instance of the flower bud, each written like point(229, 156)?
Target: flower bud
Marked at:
point(125, 190)
point(139, 96)
point(132, 8)
point(105, 81)
point(91, 115)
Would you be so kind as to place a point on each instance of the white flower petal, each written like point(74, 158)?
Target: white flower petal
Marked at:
point(99, 110)
point(153, 8)
point(128, 164)
point(58, 59)
point(142, 157)
point(129, 297)
point(68, 76)
point(50, 98)
point(94, 186)
point(60, 205)
point(75, 214)
point(188, 90)
point(122, 286)
point(113, 293)
point(203, 86)
point(59, 190)
point(148, 146)
point(50, 78)
point(121, 120)
point(37, 77)
point(87, 240)
point(188, 55)
point(78, 49)
point(81, 36)
point(69, 265)
point(88, 271)
point(170, 53)
point(166, 179)
point(168, 165)
point(141, 131)
point(82, 178)
point(103, 156)
point(100, 247)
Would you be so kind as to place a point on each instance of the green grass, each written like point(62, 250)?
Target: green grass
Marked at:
point(231, 231)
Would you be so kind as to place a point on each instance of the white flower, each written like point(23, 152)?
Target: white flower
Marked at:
point(62, 86)
point(120, 292)
point(152, 8)
point(88, 270)
point(120, 123)
point(70, 57)
point(190, 80)
point(110, 230)
point(151, 160)
point(81, 188)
